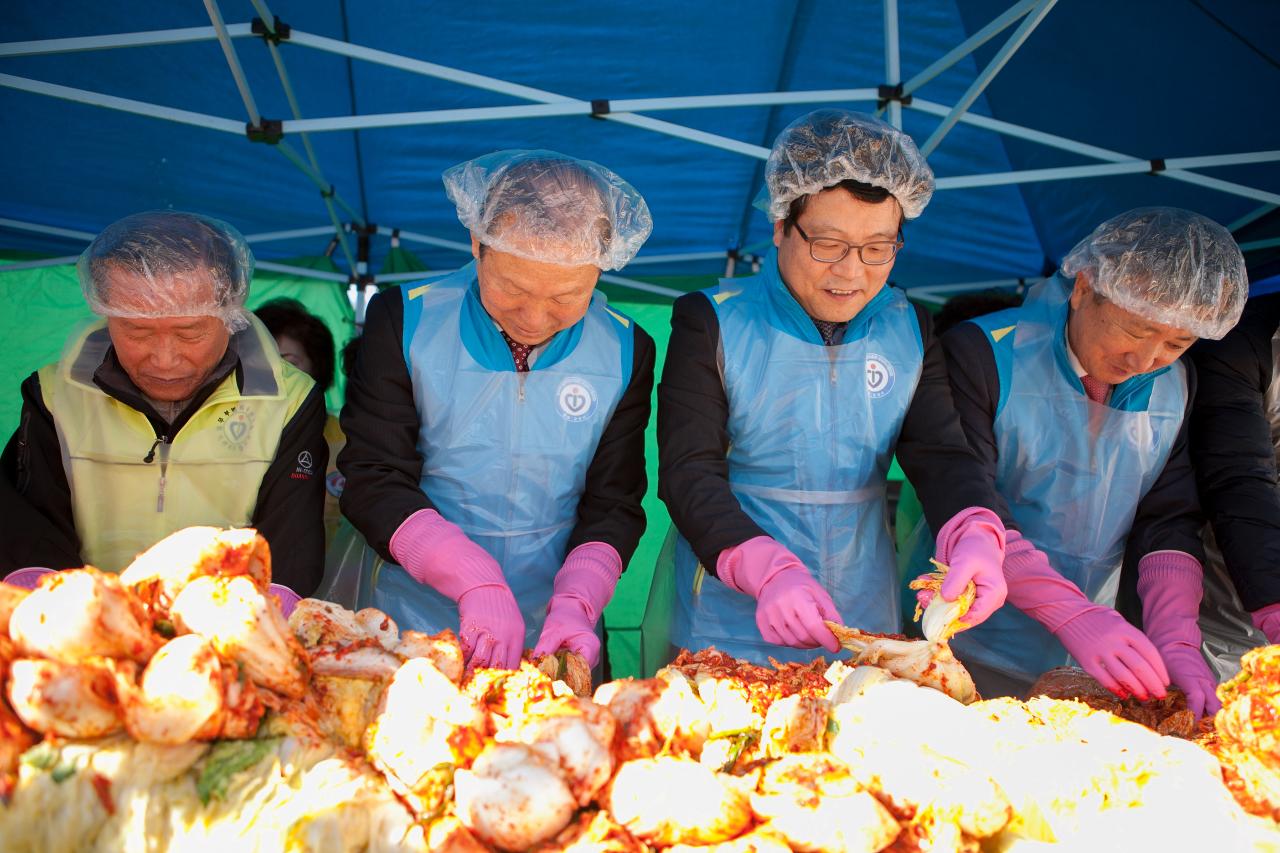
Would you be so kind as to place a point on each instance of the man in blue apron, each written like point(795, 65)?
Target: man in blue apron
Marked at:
point(495, 417)
point(1235, 445)
point(174, 410)
point(1077, 403)
point(784, 398)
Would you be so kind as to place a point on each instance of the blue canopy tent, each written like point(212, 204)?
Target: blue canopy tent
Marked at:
point(303, 123)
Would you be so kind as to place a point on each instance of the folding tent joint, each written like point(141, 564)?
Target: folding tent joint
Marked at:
point(268, 130)
point(278, 31)
point(600, 107)
point(1157, 165)
point(892, 93)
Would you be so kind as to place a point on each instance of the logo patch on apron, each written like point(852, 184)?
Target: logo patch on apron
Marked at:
point(576, 399)
point(880, 375)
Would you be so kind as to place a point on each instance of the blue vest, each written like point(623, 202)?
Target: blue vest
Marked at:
point(1071, 470)
point(505, 454)
point(813, 430)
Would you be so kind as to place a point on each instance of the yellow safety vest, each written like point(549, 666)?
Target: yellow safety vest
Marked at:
point(209, 473)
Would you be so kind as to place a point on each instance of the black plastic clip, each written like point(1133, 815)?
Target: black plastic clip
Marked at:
point(268, 130)
point(891, 93)
point(328, 192)
point(1157, 166)
point(599, 107)
point(280, 31)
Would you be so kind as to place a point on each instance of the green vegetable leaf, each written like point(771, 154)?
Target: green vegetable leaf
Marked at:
point(225, 760)
point(63, 772)
point(42, 756)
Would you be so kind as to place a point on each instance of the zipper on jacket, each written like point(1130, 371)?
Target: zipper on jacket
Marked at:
point(162, 442)
point(164, 470)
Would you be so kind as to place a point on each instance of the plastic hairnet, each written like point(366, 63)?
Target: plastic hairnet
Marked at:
point(825, 147)
point(549, 207)
point(1167, 265)
point(165, 263)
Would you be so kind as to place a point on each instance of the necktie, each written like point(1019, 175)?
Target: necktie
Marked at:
point(1096, 391)
point(828, 330)
point(519, 353)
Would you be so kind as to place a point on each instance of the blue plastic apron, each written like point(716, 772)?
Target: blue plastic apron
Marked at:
point(813, 430)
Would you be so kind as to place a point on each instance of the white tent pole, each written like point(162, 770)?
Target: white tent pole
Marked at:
point(1224, 186)
point(1020, 132)
point(677, 257)
point(1094, 151)
point(233, 61)
point(419, 275)
point(31, 265)
point(425, 117)
point(892, 60)
point(574, 107)
point(623, 281)
point(414, 237)
point(1260, 244)
point(269, 23)
point(322, 275)
point(127, 105)
point(417, 66)
point(979, 85)
point(151, 37)
point(1130, 167)
point(1251, 217)
point(492, 84)
point(969, 45)
point(270, 236)
point(752, 99)
point(1031, 176)
point(680, 132)
point(51, 230)
point(1222, 160)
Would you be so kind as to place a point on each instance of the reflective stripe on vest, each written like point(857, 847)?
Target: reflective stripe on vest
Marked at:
point(209, 473)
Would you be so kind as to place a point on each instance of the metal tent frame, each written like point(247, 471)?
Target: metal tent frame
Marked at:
point(890, 98)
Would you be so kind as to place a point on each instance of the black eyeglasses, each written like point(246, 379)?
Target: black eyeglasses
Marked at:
point(828, 250)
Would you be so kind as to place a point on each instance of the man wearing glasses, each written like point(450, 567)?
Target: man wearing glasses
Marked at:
point(1076, 403)
point(784, 398)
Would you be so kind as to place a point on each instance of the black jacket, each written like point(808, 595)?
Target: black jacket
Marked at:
point(1168, 517)
point(693, 438)
point(383, 466)
point(36, 518)
point(1233, 451)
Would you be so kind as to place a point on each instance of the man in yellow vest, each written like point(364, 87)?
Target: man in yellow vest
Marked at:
point(175, 410)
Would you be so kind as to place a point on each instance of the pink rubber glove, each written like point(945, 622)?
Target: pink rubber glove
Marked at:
point(285, 597)
point(1170, 584)
point(972, 544)
point(27, 578)
point(582, 588)
point(1114, 652)
point(1267, 620)
point(790, 604)
point(437, 553)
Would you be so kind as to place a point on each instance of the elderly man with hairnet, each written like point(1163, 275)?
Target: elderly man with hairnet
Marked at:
point(495, 418)
point(176, 410)
point(784, 398)
point(1077, 402)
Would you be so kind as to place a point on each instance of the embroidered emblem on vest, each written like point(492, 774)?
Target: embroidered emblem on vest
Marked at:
point(234, 426)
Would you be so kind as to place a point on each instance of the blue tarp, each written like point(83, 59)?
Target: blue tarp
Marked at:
point(1149, 79)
